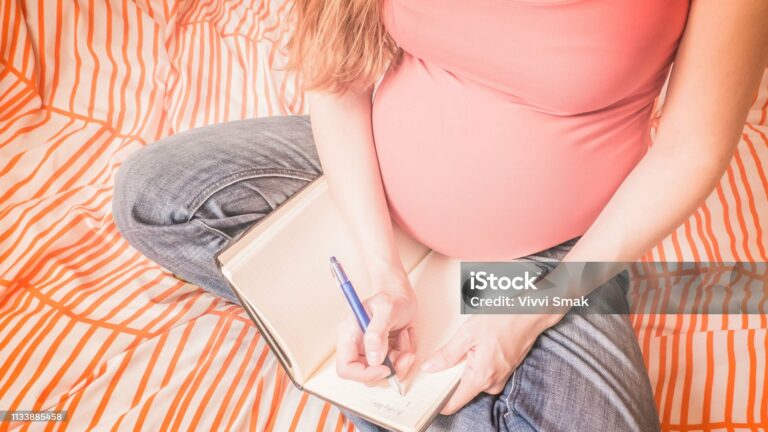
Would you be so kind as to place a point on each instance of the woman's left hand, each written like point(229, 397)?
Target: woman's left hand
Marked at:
point(494, 346)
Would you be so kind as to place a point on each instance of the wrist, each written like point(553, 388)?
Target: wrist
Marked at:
point(545, 321)
point(385, 267)
point(392, 279)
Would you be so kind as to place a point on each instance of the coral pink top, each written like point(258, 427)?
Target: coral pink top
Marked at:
point(509, 124)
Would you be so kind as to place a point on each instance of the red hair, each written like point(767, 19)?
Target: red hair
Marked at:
point(338, 45)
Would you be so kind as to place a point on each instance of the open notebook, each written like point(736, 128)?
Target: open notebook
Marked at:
point(279, 269)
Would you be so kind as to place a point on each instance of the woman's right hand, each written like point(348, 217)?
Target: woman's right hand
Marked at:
point(391, 310)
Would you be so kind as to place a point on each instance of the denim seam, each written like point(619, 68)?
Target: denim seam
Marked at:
point(512, 398)
point(515, 384)
point(206, 194)
point(212, 229)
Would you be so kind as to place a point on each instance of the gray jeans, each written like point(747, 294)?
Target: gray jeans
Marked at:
point(182, 199)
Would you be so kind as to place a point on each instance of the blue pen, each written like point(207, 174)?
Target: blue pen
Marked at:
point(361, 315)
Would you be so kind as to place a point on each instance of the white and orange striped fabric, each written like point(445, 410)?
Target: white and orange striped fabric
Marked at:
point(89, 325)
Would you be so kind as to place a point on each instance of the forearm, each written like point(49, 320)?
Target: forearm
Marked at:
point(663, 190)
point(341, 125)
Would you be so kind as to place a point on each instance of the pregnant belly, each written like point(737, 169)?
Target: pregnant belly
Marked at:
point(475, 174)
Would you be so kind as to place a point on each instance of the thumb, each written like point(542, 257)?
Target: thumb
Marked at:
point(449, 354)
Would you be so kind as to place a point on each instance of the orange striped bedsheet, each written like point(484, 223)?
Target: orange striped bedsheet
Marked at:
point(89, 325)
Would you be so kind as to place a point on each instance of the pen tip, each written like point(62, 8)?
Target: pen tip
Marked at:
point(396, 384)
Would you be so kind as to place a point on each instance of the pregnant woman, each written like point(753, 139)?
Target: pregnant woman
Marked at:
point(499, 129)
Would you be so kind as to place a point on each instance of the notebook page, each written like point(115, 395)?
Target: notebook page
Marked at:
point(286, 277)
point(438, 317)
point(281, 268)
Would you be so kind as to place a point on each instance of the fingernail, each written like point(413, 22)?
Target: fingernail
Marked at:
point(408, 362)
point(375, 357)
point(428, 366)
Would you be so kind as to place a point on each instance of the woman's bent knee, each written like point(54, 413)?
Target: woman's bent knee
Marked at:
point(164, 182)
point(181, 199)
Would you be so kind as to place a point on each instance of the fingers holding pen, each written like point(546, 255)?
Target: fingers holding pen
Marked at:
point(350, 356)
point(403, 353)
